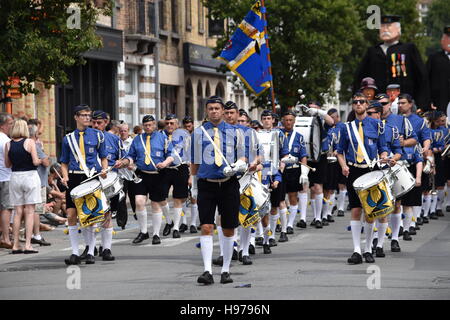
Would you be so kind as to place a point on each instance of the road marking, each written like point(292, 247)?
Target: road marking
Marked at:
point(171, 242)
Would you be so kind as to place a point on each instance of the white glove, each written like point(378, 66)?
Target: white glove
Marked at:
point(229, 171)
point(314, 112)
point(239, 166)
point(304, 176)
point(289, 160)
point(194, 189)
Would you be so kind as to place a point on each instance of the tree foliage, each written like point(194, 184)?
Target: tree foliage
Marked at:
point(437, 18)
point(38, 42)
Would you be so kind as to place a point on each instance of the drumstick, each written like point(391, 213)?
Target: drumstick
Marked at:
point(59, 176)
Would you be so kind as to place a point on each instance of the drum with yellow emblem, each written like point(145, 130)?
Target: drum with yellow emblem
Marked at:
point(255, 198)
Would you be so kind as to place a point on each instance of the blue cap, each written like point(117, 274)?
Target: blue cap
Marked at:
point(148, 118)
point(99, 114)
point(81, 107)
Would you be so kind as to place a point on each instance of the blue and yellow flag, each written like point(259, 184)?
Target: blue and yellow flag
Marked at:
point(246, 53)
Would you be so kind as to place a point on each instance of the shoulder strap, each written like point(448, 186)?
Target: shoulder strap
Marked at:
point(146, 152)
point(361, 144)
point(214, 145)
point(350, 137)
point(77, 153)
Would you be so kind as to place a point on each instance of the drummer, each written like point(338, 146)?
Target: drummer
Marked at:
point(91, 144)
point(318, 177)
point(353, 163)
point(295, 175)
point(214, 180)
point(152, 152)
point(176, 174)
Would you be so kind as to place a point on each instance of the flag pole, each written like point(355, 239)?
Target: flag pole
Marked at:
point(268, 56)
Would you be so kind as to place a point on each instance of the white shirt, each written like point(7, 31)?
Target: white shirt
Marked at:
point(5, 173)
point(127, 143)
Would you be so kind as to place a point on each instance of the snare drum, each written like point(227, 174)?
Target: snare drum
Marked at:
point(254, 198)
point(309, 128)
point(112, 185)
point(374, 192)
point(402, 179)
point(90, 202)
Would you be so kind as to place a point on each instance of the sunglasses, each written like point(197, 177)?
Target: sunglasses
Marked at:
point(359, 101)
point(371, 112)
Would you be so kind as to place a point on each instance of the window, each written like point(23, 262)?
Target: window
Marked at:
point(161, 15)
point(151, 18)
point(140, 9)
point(201, 17)
point(174, 5)
point(188, 15)
point(168, 100)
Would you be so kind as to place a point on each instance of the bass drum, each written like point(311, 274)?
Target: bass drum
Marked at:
point(309, 128)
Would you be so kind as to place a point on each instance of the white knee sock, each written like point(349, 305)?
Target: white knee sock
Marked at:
point(177, 218)
point(341, 199)
point(381, 234)
point(107, 238)
point(156, 221)
point(183, 214)
point(440, 199)
point(303, 200)
point(92, 240)
point(227, 253)
point(266, 235)
point(292, 214)
point(331, 204)
point(260, 230)
point(142, 220)
point(433, 203)
point(395, 225)
point(194, 214)
point(73, 235)
point(245, 241)
point(368, 230)
point(319, 205)
point(408, 212)
point(313, 207)
point(426, 204)
point(273, 224)
point(283, 219)
point(86, 233)
point(166, 213)
point(220, 234)
point(206, 246)
point(356, 235)
point(416, 210)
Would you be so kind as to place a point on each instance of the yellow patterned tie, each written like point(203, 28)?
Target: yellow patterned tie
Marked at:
point(170, 137)
point(83, 152)
point(217, 157)
point(148, 151)
point(360, 155)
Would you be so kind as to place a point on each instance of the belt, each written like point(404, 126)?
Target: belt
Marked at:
point(149, 172)
point(294, 166)
point(178, 165)
point(218, 180)
point(76, 172)
point(362, 166)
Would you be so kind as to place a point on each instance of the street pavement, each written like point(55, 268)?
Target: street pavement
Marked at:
point(311, 265)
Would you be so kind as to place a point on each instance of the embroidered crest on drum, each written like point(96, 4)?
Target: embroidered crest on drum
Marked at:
point(376, 202)
point(91, 208)
point(248, 211)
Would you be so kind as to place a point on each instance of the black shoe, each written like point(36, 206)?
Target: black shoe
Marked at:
point(246, 261)
point(368, 257)
point(324, 222)
point(374, 244)
point(290, 230)
point(141, 237)
point(259, 241)
point(183, 228)
point(412, 231)
point(156, 240)
point(400, 232)
point(240, 256)
point(167, 229)
point(333, 210)
point(439, 213)
point(113, 214)
point(313, 223)
point(176, 234)
point(41, 242)
point(447, 209)
point(379, 253)
point(355, 258)
point(425, 220)
point(206, 278)
point(193, 229)
point(84, 254)
point(95, 251)
point(433, 216)
point(218, 261)
point(107, 255)
point(419, 221)
point(395, 247)
point(330, 218)
point(266, 249)
point(283, 237)
point(340, 213)
point(90, 259)
point(251, 249)
point(318, 224)
point(278, 228)
point(348, 207)
point(272, 243)
point(406, 236)
point(301, 224)
point(225, 278)
point(100, 251)
point(73, 260)
point(235, 255)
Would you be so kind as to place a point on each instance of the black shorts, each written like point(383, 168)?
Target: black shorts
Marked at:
point(151, 185)
point(331, 182)
point(426, 182)
point(354, 174)
point(320, 175)
point(341, 179)
point(447, 166)
point(74, 181)
point(277, 195)
point(178, 178)
point(414, 196)
point(290, 178)
point(224, 196)
point(441, 170)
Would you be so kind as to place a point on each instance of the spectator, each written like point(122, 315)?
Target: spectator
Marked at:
point(137, 130)
point(24, 186)
point(115, 126)
point(43, 174)
point(6, 122)
point(57, 195)
point(124, 135)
